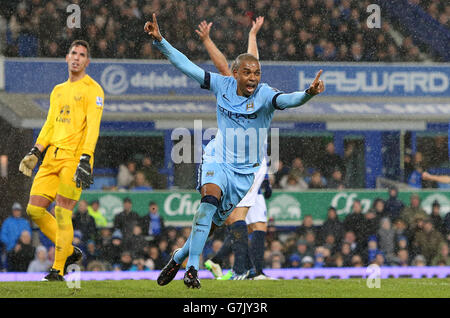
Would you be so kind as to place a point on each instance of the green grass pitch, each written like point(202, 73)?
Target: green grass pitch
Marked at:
point(318, 288)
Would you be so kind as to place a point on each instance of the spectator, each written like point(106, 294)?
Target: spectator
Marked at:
point(354, 167)
point(428, 241)
point(125, 176)
point(156, 179)
point(346, 254)
point(136, 243)
point(302, 249)
point(411, 213)
point(357, 261)
point(98, 214)
point(111, 252)
point(152, 222)
point(84, 222)
point(139, 265)
point(336, 180)
point(20, 257)
point(393, 206)
point(127, 219)
point(281, 171)
point(371, 224)
point(13, 227)
point(332, 225)
point(316, 181)
point(355, 221)
point(293, 183)
point(41, 262)
point(443, 256)
point(140, 183)
point(402, 258)
point(125, 263)
point(419, 261)
point(90, 254)
point(380, 260)
point(350, 238)
point(307, 226)
point(435, 216)
point(446, 226)
point(331, 161)
point(96, 266)
point(297, 168)
point(307, 262)
point(378, 207)
point(386, 236)
point(155, 255)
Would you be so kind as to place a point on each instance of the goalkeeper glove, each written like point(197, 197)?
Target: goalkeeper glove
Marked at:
point(267, 189)
point(83, 175)
point(28, 163)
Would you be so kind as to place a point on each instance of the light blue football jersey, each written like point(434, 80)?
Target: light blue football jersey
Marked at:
point(243, 124)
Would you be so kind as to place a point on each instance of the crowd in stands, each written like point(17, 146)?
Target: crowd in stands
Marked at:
point(294, 30)
point(331, 171)
point(390, 233)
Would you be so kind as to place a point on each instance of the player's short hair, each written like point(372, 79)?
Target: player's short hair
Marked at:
point(242, 57)
point(82, 43)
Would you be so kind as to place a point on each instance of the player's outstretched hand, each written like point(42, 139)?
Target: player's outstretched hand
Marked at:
point(203, 30)
point(317, 85)
point(426, 176)
point(152, 29)
point(256, 25)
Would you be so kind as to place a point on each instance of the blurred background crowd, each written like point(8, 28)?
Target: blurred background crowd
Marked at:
point(294, 30)
point(391, 233)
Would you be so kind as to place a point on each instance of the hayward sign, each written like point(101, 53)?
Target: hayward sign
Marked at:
point(286, 208)
point(161, 78)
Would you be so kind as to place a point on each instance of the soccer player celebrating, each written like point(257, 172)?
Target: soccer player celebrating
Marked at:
point(69, 137)
point(226, 174)
point(243, 220)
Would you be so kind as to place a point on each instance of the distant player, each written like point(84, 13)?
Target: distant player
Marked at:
point(226, 173)
point(242, 220)
point(69, 137)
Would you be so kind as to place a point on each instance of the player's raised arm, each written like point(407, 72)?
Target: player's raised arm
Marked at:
point(440, 179)
point(214, 53)
point(252, 44)
point(296, 99)
point(178, 59)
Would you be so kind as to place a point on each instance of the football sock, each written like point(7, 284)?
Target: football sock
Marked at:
point(201, 226)
point(182, 253)
point(257, 250)
point(224, 251)
point(64, 238)
point(45, 221)
point(239, 246)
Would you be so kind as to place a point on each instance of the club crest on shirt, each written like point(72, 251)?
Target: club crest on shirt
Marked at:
point(210, 173)
point(250, 106)
point(99, 101)
point(64, 115)
point(77, 98)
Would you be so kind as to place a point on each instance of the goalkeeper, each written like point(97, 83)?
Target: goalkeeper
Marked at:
point(69, 137)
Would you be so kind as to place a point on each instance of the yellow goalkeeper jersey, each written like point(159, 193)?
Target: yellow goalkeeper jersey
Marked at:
point(73, 120)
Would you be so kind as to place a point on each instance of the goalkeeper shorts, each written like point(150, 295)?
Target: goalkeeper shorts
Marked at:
point(55, 176)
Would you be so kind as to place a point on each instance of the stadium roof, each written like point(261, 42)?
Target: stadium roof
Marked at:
point(380, 113)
